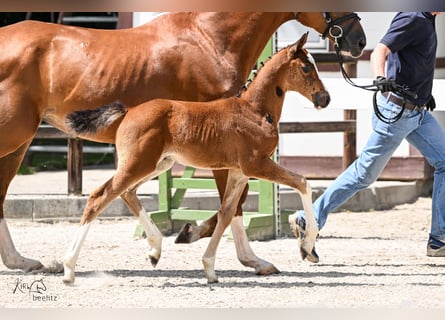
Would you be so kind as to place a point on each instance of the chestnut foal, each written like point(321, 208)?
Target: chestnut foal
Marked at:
point(238, 134)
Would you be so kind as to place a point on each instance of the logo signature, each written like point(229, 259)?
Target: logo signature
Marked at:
point(37, 290)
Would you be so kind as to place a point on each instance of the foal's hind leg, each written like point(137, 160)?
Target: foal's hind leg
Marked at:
point(96, 203)
point(154, 236)
point(11, 258)
point(129, 172)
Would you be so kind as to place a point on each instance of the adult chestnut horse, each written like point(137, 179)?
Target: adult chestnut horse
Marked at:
point(237, 134)
point(47, 71)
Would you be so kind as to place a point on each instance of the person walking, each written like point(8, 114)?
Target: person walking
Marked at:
point(408, 49)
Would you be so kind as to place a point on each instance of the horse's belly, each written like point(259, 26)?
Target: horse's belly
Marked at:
point(204, 160)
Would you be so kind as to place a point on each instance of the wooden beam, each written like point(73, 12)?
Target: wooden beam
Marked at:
point(74, 166)
point(318, 126)
point(330, 167)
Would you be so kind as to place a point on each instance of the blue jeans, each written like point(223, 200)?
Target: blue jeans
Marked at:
point(422, 131)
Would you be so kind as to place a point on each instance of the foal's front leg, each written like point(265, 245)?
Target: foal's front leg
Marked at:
point(235, 185)
point(267, 169)
point(245, 253)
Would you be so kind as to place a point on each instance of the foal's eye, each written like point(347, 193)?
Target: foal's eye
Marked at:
point(306, 68)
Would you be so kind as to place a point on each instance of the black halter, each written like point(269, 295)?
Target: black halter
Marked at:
point(333, 27)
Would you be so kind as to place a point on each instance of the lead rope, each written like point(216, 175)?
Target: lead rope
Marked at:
point(372, 87)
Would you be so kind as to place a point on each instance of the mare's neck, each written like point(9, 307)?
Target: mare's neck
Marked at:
point(240, 37)
point(266, 92)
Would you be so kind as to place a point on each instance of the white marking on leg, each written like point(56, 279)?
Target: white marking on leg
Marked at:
point(208, 259)
point(245, 253)
point(154, 237)
point(243, 250)
point(71, 255)
point(10, 257)
point(209, 269)
point(311, 231)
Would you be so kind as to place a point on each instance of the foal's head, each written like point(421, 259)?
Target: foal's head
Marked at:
point(302, 75)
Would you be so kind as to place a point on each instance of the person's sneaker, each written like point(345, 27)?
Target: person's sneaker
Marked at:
point(435, 248)
point(298, 226)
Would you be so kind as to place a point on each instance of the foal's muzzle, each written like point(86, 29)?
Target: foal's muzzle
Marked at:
point(321, 99)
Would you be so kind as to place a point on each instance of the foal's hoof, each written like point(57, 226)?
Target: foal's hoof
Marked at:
point(187, 234)
point(68, 282)
point(212, 281)
point(154, 261)
point(312, 256)
point(68, 277)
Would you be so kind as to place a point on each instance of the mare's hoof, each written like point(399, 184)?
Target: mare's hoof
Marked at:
point(53, 267)
point(34, 267)
point(185, 235)
point(25, 264)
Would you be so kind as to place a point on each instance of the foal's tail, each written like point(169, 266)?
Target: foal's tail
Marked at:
point(90, 121)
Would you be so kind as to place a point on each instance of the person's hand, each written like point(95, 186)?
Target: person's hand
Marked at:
point(431, 105)
point(384, 84)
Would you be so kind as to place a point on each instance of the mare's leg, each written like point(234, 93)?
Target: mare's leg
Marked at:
point(11, 258)
point(131, 169)
point(267, 169)
point(154, 236)
point(19, 120)
point(235, 185)
point(189, 233)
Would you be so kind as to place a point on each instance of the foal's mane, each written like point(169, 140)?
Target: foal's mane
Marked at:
point(245, 86)
point(255, 73)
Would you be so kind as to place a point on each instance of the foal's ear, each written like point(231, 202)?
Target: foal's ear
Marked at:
point(298, 45)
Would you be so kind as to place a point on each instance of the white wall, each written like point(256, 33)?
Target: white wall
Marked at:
point(440, 27)
point(143, 17)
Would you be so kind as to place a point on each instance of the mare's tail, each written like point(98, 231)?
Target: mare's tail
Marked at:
point(90, 121)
